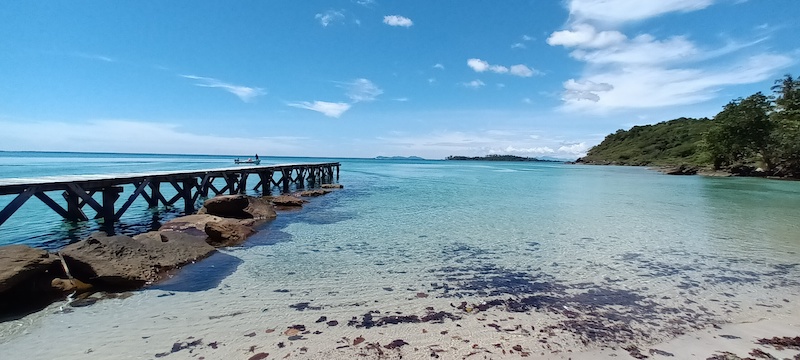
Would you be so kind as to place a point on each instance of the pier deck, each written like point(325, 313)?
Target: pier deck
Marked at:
point(79, 191)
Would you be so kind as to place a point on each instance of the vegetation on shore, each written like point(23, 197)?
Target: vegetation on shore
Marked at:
point(756, 135)
point(495, 157)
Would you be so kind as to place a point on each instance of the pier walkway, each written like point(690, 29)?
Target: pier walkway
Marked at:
point(80, 191)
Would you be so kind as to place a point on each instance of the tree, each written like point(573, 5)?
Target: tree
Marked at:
point(741, 130)
point(786, 118)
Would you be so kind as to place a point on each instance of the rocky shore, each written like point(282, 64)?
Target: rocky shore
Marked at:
point(31, 279)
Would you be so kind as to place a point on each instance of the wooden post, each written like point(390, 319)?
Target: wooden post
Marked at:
point(155, 193)
point(188, 200)
point(243, 184)
point(110, 196)
point(286, 178)
point(74, 212)
point(301, 177)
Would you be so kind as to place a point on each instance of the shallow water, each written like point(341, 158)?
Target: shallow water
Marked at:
point(459, 258)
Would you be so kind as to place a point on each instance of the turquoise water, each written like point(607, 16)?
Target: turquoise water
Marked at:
point(596, 255)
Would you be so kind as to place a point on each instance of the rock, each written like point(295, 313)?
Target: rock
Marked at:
point(287, 200)
point(218, 231)
point(239, 207)
point(227, 232)
point(313, 193)
point(332, 186)
point(190, 224)
point(122, 262)
point(19, 263)
point(25, 277)
point(681, 170)
point(70, 285)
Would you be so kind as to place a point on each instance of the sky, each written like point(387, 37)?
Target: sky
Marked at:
point(366, 78)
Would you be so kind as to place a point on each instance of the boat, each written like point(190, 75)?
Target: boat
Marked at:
point(248, 161)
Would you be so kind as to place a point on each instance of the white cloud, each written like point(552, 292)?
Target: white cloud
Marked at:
point(245, 93)
point(360, 90)
point(518, 46)
point(522, 71)
point(140, 137)
point(584, 90)
point(527, 38)
point(482, 66)
point(478, 65)
point(397, 20)
point(527, 100)
point(365, 2)
point(326, 108)
point(585, 35)
point(438, 66)
point(474, 84)
point(330, 17)
point(402, 99)
point(94, 57)
point(479, 143)
point(620, 11)
point(645, 71)
point(655, 86)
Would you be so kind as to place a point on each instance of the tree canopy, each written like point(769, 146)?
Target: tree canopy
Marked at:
point(757, 131)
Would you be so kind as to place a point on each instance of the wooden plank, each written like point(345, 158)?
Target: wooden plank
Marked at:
point(87, 199)
point(12, 207)
point(52, 204)
point(139, 191)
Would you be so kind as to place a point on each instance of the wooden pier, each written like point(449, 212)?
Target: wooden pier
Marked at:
point(80, 191)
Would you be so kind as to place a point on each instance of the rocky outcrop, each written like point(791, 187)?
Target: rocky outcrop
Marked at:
point(288, 201)
point(681, 170)
point(217, 231)
point(122, 262)
point(228, 232)
point(239, 207)
point(314, 193)
point(332, 186)
point(25, 276)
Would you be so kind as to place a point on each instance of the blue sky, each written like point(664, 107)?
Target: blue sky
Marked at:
point(363, 78)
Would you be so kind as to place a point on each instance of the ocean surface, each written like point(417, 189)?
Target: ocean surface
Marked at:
point(434, 259)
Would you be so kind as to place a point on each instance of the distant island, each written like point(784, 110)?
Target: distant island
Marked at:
point(398, 158)
point(754, 136)
point(495, 157)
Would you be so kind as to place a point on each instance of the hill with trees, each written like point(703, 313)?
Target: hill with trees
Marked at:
point(756, 135)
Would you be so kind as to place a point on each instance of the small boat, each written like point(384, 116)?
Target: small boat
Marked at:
point(248, 161)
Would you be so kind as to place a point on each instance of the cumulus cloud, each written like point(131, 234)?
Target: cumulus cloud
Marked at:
point(584, 90)
point(438, 66)
point(480, 66)
point(645, 71)
point(329, 109)
point(330, 17)
point(397, 20)
point(245, 93)
point(360, 90)
point(474, 84)
point(585, 35)
point(620, 11)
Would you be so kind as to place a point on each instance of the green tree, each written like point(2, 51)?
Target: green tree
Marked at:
point(741, 130)
point(787, 125)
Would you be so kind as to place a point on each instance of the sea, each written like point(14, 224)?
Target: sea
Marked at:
point(422, 259)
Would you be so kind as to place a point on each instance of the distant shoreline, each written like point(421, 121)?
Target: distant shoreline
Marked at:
point(512, 158)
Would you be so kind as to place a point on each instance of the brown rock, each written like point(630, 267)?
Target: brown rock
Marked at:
point(332, 186)
point(228, 232)
point(313, 193)
point(288, 200)
point(70, 285)
point(124, 262)
point(19, 263)
point(238, 207)
point(190, 224)
point(25, 276)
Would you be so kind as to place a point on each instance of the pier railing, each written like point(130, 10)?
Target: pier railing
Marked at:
point(80, 191)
